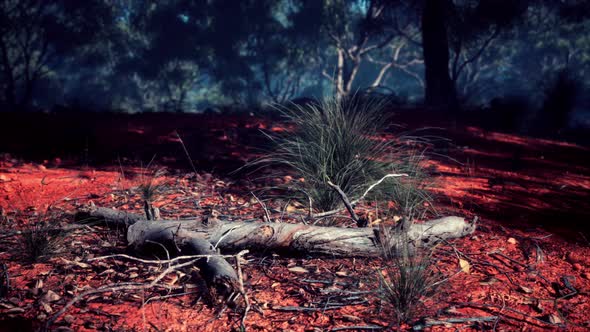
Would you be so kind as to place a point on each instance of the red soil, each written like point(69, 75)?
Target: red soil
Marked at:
point(529, 259)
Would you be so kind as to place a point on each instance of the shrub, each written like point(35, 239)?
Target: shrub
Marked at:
point(336, 140)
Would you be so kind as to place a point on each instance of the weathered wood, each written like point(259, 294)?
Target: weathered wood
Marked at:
point(216, 271)
point(308, 239)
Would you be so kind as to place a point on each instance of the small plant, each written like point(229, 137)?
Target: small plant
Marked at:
point(408, 277)
point(42, 242)
point(335, 141)
point(149, 189)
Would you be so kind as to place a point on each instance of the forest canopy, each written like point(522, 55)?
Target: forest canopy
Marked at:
point(181, 55)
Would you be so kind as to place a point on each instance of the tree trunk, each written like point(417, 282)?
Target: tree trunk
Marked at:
point(8, 72)
point(440, 89)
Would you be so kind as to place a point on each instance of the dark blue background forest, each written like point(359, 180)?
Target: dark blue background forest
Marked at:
point(530, 57)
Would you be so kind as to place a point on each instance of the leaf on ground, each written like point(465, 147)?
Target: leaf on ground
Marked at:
point(78, 264)
point(298, 269)
point(525, 290)
point(555, 319)
point(465, 266)
point(51, 296)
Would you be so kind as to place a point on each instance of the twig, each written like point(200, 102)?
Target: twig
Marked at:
point(371, 187)
point(163, 247)
point(188, 156)
point(148, 261)
point(527, 317)
point(224, 235)
point(325, 282)
point(284, 210)
point(103, 289)
point(356, 201)
point(131, 285)
point(242, 291)
point(345, 200)
point(303, 309)
point(495, 252)
point(359, 328)
point(263, 207)
point(162, 297)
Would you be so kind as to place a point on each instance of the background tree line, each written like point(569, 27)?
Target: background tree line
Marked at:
point(181, 55)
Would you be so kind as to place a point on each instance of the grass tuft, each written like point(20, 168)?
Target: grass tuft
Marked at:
point(151, 186)
point(41, 242)
point(339, 141)
point(408, 278)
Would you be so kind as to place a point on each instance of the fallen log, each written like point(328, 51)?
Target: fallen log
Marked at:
point(206, 236)
point(296, 238)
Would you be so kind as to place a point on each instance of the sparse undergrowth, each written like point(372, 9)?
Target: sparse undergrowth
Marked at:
point(41, 241)
point(407, 279)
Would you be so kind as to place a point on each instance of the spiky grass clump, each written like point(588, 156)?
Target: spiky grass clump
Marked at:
point(149, 189)
point(408, 278)
point(331, 142)
point(151, 186)
point(42, 242)
point(336, 140)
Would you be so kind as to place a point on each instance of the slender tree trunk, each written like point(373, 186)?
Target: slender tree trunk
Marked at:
point(340, 93)
point(10, 89)
point(440, 89)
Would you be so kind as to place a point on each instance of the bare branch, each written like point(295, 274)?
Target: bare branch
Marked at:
point(345, 200)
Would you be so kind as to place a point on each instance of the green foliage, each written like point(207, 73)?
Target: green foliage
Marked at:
point(338, 141)
point(41, 241)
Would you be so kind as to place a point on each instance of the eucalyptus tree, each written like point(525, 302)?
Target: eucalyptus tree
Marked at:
point(365, 41)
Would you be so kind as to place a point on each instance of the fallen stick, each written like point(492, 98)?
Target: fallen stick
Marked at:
point(433, 322)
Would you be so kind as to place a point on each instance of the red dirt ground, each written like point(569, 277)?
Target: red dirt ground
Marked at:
point(528, 261)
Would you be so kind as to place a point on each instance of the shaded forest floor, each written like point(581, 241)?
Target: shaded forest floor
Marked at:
point(529, 259)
